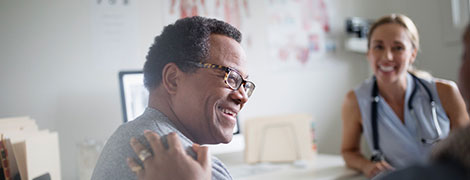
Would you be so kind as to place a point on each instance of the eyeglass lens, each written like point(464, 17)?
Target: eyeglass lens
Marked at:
point(234, 80)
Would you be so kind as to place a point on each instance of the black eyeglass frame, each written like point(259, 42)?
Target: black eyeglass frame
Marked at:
point(227, 71)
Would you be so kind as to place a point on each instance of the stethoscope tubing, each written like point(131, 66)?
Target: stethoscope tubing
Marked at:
point(377, 153)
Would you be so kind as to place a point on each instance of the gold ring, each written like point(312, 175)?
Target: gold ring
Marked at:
point(144, 154)
point(136, 169)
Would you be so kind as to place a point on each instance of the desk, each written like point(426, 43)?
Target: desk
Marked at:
point(322, 166)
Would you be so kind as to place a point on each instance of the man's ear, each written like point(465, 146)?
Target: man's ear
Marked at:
point(171, 74)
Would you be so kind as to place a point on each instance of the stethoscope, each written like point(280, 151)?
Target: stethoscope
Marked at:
point(377, 154)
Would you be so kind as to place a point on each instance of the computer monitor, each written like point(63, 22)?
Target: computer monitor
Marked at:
point(134, 96)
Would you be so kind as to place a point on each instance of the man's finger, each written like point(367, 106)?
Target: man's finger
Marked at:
point(154, 141)
point(136, 168)
point(204, 159)
point(140, 150)
point(202, 155)
point(174, 142)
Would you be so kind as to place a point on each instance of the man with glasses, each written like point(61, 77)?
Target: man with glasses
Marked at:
point(196, 75)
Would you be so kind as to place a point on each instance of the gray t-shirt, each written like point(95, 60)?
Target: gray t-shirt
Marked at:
point(112, 161)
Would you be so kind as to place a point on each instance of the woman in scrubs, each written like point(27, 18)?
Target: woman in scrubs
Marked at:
point(400, 112)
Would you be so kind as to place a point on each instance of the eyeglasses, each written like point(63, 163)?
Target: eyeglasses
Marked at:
point(232, 77)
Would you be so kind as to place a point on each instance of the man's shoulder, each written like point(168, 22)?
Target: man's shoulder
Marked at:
point(219, 171)
point(112, 161)
point(428, 171)
point(151, 120)
point(122, 135)
point(135, 127)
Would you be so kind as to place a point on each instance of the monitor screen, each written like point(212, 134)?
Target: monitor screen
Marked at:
point(134, 96)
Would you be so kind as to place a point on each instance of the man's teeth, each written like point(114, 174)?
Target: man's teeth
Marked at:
point(386, 68)
point(226, 111)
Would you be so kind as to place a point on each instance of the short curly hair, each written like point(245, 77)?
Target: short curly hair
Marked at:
point(454, 149)
point(185, 40)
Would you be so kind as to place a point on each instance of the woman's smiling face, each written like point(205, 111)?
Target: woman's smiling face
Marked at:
point(391, 52)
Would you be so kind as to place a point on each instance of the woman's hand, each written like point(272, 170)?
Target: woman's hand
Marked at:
point(171, 163)
point(374, 168)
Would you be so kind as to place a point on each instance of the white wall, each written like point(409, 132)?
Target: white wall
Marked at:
point(438, 55)
point(48, 70)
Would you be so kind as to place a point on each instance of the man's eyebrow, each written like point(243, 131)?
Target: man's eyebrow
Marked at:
point(236, 70)
point(246, 77)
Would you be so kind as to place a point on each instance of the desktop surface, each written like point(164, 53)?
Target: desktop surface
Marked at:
point(321, 166)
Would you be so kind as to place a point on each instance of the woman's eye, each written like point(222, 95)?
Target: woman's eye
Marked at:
point(378, 47)
point(398, 48)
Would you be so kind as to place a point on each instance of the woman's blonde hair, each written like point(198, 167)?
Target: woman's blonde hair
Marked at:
point(401, 20)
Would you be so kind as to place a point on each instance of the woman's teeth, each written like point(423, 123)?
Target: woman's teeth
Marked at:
point(386, 68)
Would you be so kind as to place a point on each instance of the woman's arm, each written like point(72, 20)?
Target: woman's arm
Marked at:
point(352, 130)
point(453, 103)
point(350, 147)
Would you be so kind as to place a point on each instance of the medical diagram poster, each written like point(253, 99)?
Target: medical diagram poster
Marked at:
point(234, 12)
point(296, 32)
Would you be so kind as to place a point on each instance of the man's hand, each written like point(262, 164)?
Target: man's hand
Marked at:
point(374, 168)
point(171, 163)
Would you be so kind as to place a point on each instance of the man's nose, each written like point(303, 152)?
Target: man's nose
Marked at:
point(240, 96)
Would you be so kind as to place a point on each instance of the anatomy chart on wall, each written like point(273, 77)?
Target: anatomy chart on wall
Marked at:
point(235, 12)
point(296, 30)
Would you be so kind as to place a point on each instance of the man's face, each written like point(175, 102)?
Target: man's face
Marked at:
point(464, 75)
point(205, 105)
